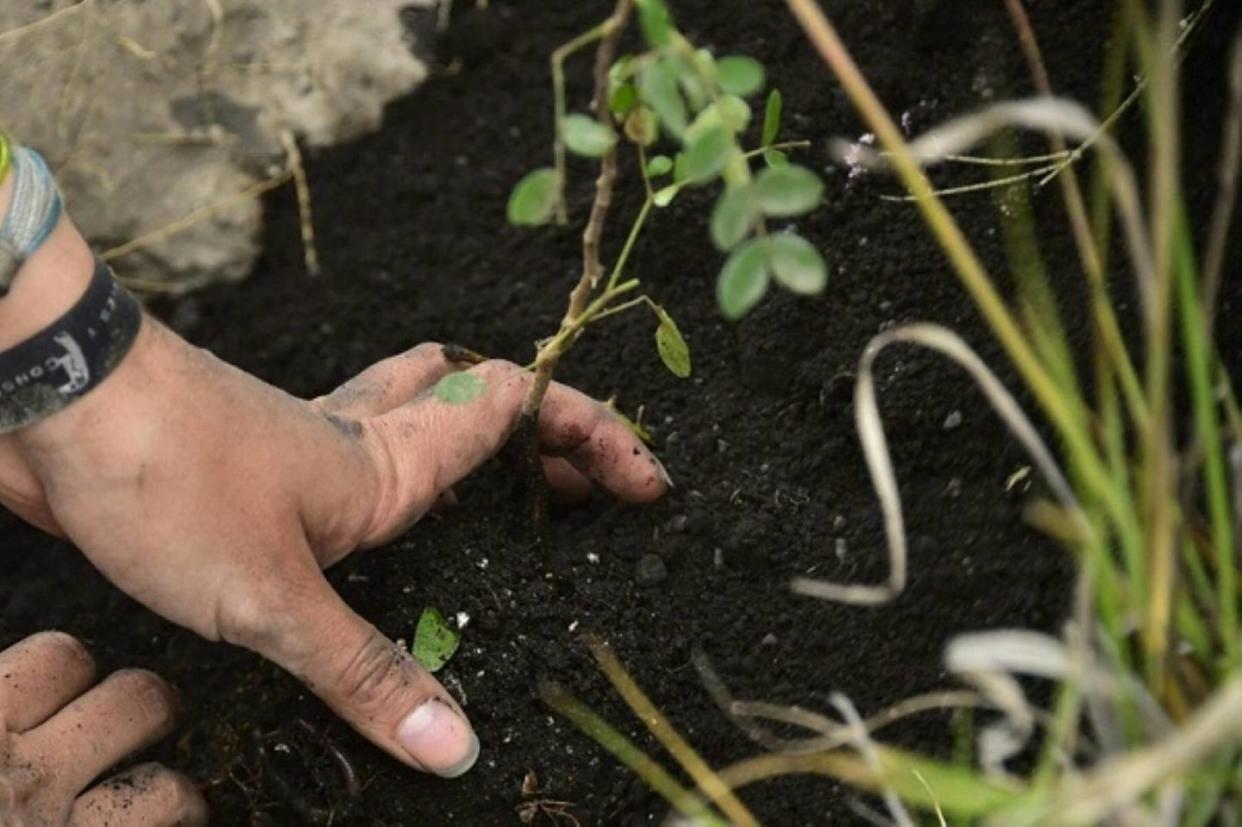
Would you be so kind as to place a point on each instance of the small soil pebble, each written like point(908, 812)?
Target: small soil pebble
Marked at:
point(650, 570)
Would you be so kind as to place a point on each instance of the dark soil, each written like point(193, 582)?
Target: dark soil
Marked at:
point(770, 479)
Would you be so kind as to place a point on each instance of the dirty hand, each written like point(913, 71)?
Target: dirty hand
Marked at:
point(58, 733)
point(216, 499)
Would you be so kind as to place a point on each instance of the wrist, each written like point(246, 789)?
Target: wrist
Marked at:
point(49, 283)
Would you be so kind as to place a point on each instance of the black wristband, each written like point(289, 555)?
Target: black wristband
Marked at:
point(69, 358)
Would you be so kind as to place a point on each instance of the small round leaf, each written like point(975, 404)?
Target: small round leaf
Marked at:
point(733, 216)
point(775, 158)
point(674, 351)
point(788, 190)
point(796, 264)
point(586, 136)
point(707, 155)
point(734, 112)
point(460, 388)
point(739, 75)
point(657, 86)
point(533, 200)
point(743, 280)
point(664, 197)
point(659, 165)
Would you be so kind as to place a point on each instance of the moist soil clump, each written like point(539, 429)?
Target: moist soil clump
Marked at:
point(770, 481)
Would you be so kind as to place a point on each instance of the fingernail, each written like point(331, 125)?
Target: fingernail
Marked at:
point(439, 739)
point(663, 471)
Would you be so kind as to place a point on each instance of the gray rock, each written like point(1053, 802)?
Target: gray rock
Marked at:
point(154, 112)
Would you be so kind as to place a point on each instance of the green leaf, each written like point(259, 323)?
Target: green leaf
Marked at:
point(734, 112)
point(658, 88)
point(435, 641)
point(707, 155)
point(743, 280)
point(460, 388)
point(788, 190)
point(733, 216)
point(533, 200)
point(659, 165)
point(622, 70)
point(796, 264)
point(664, 197)
point(674, 351)
point(739, 75)
point(656, 21)
point(775, 158)
point(586, 136)
point(679, 167)
point(624, 98)
point(771, 117)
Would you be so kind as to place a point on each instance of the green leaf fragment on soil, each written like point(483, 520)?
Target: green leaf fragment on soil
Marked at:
point(743, 280)
point(657, 86)
point(659, 165)
point(734, 215)
point(788, 190)
point(586, 136)
point(796, 264)
point(533, 200)
point(435, 641)
point(739, 75)
point(771, 118)
point(707, 155)
point(674, 351)
point(460, 388)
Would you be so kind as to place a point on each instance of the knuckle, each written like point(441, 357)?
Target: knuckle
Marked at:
point(374, 675)
point(259, 612)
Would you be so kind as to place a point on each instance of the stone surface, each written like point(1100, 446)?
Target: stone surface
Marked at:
point(151, 112)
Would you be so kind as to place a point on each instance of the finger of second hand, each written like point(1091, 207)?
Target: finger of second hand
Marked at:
point(39, 675)
point(130, 710)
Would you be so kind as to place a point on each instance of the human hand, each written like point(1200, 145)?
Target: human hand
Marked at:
point(59, 732)
point(215, 500)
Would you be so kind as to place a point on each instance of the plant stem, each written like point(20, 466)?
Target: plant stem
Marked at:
point(559, 56)
point(608, 33)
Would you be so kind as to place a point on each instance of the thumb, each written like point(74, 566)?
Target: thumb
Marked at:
point(367, 680)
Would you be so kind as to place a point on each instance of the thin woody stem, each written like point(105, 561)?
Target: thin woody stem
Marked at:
point(592, 269)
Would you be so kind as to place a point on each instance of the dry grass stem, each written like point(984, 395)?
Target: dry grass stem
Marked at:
point(306, 217)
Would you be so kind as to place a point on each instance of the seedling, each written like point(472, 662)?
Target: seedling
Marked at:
point(683, 112)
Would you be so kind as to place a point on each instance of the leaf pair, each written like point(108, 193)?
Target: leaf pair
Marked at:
point(777, 192)
point(786, 257)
